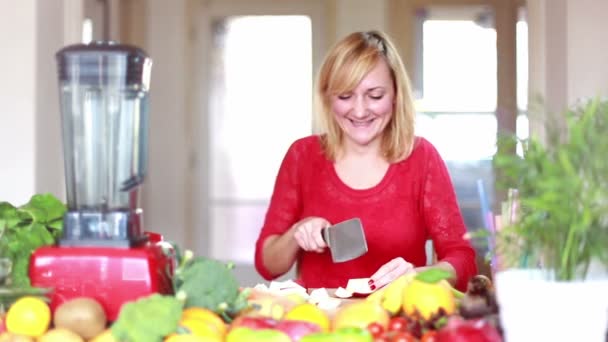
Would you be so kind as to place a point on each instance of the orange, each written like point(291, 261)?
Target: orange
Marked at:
point(208, 317)
point(427, 298)
point(360, 314)
point(308, 312)
point(29, 316)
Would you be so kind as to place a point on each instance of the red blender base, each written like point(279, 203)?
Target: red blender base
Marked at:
point(112, 276)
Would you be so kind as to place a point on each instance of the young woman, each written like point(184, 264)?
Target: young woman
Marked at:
point(366, 163)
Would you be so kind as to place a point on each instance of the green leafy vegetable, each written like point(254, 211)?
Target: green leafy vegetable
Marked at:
point(433, 275)
point(210, 284)
point(148, 319)
point(24, 229)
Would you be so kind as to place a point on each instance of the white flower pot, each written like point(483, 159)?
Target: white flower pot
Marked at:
point(535, 308)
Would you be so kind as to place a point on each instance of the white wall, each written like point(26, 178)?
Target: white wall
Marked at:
point(30, 140)
point(587, 53)
point(164, 189)
point(359, 15)
point(568, 59)
point(17, 108)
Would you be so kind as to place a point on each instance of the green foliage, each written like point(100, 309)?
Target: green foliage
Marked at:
point(23, 229)
point(563, 192)
point(210, 284)
point(148, 319)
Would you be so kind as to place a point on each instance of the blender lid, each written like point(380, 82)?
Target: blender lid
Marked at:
point(97, 61)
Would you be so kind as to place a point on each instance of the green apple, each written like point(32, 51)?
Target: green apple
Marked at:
point(341, 335)
point(242, 334)
point(352, 334)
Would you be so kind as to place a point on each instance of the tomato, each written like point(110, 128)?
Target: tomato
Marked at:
point(398, 323)
point(403, 336)
point(375, 329)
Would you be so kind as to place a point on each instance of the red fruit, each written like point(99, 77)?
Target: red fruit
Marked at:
point(297, 329)
point(429, 336)
point(398, 323)
point(468, 331)
point(375, 329)
point(403, 336)
point(254, 323)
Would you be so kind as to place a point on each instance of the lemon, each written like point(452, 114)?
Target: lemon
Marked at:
point(200, 328)
point(206, 316)
point(60, 335)
point(105, 336)
point(309, 312)
point(28, 316)
point(428, 298)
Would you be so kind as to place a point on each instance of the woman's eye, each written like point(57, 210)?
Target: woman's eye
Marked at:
point(344, 96)
point(377, 97)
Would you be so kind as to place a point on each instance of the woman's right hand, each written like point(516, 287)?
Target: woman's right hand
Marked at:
point(307, 233)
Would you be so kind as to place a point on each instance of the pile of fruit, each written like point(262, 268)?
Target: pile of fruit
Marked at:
point(209, 305)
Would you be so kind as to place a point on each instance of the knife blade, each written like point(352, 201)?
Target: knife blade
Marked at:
point(346, 240)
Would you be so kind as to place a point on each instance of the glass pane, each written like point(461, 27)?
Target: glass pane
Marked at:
point(260, 101)
point(459, 66)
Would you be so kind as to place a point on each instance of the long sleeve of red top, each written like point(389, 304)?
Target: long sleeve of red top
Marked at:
point(414, 202)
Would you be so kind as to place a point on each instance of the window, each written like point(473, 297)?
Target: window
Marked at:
point(260, 102)
point(457, 98)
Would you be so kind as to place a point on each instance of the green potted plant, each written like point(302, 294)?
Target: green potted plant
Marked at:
point(554, 252)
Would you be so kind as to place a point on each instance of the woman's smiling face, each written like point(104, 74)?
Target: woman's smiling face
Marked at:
point(364, 112)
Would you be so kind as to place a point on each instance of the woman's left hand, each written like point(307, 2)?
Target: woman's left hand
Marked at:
point(389, 272)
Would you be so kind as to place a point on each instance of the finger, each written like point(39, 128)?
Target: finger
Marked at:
point(304, 239)
point(391, 271)
point(317, 237)
point(298, 236)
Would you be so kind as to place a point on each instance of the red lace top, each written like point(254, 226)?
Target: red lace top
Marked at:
point(415, 201)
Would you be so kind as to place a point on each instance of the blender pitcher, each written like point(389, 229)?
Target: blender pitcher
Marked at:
point(104, 110)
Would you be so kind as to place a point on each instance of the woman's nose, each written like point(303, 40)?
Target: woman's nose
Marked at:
point(360, 107)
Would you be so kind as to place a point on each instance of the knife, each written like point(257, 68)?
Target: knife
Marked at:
point(346, 240)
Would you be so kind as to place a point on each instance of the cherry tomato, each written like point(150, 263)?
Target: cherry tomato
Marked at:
point(403, 336)
point(398, 323)
point(375, 329)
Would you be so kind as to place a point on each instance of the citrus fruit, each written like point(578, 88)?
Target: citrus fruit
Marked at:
point(360, 315)
point(207, 316)
point(105, 336)
point(308, 312)
point(60, 335)
point(28, 316)
point(427, 298)
point(200, 328)
point(190, 338)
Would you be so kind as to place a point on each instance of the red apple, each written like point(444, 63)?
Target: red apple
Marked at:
point(297, 329)
point(254, 323)
point(459, 330)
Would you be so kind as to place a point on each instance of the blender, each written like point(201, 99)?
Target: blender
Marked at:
point(104, 252)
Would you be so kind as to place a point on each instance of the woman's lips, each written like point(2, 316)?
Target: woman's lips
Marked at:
point(361, 123)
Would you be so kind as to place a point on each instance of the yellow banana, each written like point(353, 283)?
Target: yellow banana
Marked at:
point(393, 296)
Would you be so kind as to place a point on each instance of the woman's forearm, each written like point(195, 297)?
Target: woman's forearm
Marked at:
point(280, 252)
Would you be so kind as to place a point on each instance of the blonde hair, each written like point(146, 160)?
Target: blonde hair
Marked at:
point(344, 67)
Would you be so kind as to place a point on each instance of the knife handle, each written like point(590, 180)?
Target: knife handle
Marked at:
point(325, 235)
